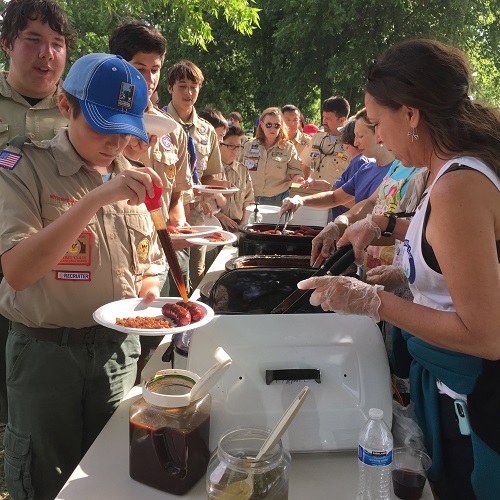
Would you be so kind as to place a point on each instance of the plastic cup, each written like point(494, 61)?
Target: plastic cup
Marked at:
point(409, 472)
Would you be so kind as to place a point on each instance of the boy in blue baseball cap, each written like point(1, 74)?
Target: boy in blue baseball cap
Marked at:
point(77, 236)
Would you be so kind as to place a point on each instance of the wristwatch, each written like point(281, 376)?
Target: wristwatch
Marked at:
point(390, 225)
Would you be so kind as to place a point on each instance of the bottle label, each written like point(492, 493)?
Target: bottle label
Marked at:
point(374, 458)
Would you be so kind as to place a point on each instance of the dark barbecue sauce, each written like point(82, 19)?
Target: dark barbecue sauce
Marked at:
point(175, 268)
point(171, 460)
point(408, 484)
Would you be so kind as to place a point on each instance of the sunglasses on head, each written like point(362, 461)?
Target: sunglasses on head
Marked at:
point(275, 125)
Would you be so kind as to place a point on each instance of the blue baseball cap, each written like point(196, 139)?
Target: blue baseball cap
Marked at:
point(112, 93)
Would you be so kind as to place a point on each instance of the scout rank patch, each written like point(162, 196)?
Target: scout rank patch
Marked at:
point(126, 97)
point(8, 159)
point(143, 250)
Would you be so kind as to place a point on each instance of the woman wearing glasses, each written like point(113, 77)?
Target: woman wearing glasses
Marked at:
point(271, 159)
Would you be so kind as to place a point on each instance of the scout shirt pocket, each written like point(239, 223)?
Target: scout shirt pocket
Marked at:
point(251, 158)
point(167, 160)
point(140, 233)
point(4, 134)
point(18, 463)
point(279, 160)
point(202, 154)
point(315, 157)
point(83, 255)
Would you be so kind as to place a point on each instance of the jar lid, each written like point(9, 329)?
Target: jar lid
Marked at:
point(169, 388)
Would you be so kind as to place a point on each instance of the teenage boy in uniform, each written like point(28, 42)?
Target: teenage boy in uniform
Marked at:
point(35, 37)
point(144, 47)
point(184, 80)
point(78, 236)
point(324, 159)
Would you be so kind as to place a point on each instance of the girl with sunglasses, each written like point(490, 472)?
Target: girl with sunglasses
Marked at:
point(271, 159)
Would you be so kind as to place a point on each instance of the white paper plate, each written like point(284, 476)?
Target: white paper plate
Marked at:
point(230, 238)
point(130, 308)
point(215, 189)
point(158, 125)
point(211, 221)
point(200, 231)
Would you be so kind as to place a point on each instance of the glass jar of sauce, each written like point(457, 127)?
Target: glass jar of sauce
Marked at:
point(169, 435)
point(234, 474)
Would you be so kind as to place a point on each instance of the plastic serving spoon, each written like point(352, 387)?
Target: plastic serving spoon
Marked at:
point(212, 376)
point(244, 488)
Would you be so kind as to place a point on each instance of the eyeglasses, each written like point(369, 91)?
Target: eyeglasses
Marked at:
point(231, 147)
point(275, 125)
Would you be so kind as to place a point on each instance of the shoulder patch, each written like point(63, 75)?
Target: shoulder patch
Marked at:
point(8, 159)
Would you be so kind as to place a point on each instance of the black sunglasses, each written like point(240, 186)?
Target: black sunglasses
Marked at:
point(275, 125)
point(231, 147)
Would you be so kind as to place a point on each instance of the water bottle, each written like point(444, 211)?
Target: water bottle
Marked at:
point(375, 458)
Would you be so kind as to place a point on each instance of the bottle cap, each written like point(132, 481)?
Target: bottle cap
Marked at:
point(155, 202)
point(376, 414)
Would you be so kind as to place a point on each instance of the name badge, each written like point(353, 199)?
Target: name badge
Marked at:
point(72, 276)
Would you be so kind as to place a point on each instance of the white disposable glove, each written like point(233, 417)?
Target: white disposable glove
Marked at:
point(391, 277)
point(324, 243)
point(360, 235)
point(344, 295)
point(291, 204)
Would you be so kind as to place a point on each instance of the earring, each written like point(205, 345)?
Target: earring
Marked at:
point(413, 134)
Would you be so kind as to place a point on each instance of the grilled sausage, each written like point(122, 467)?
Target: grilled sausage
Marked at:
point(194, 309)
point(179, 314)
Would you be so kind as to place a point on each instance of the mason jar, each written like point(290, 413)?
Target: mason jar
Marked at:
point(234, 473)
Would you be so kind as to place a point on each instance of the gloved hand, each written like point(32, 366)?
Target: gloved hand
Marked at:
point(344, 295)
point(324, 243)
point(360, 235)
point(291, 204)
point(391, 277)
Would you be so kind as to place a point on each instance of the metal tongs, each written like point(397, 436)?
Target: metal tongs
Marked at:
point(287, 216)
point(333, 266)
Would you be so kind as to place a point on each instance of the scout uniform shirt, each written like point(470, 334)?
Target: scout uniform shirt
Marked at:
point(17, 117)
point(238, 174)
point(327, 160)
point(169, 159)
point(107, 261)
point(271, 170)
point(208, 161)
point(300, 141)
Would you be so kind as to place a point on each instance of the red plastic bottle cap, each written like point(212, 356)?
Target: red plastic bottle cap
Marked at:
point(155, 202)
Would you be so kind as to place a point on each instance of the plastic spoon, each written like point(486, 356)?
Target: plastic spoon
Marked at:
point(244, 489)
point(212, 376)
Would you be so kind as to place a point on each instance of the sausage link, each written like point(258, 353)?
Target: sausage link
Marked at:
point(179, 314)
point(195, 310)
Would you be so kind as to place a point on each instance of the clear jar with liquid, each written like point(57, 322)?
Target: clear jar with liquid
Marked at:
point(169, 435)
point(233, 473)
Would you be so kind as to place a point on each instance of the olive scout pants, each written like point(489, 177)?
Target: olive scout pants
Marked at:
point(61, 393)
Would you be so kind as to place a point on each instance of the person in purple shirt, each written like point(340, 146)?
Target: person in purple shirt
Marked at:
point(364, 182)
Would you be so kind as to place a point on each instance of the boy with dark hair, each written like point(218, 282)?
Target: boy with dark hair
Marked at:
point(143, 46)
point(235, 119)
point(233, 213)
point(184, 80)
point(324, 159)
point(216, 119)
point(35, 37)
point(78, 236)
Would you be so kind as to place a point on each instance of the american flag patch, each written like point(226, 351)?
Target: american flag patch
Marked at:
point(8, 159)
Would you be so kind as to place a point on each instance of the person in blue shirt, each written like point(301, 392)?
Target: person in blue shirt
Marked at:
point(365, 181)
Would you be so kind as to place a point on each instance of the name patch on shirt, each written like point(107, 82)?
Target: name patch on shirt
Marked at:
point(72, 276)
point(79, 252)
point(8, 159)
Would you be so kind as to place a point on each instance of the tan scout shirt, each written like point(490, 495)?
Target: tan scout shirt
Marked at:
point(107, 261)
point(238, 174)
point(327, 160)
point(271, 170)
point(169, 158)
point(300, 141)
point(18, 117)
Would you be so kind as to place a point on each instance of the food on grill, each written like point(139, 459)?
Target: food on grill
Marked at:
point(302, 231)
point(144, 323)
